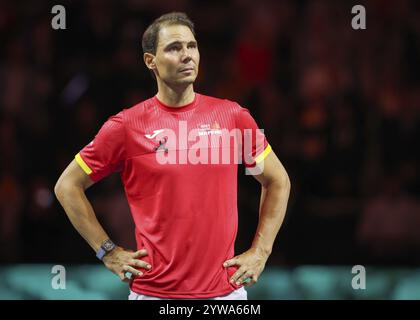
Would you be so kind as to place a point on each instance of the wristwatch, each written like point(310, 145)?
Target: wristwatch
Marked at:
point(106, 247)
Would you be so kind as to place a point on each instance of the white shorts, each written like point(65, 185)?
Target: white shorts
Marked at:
point(238, 294)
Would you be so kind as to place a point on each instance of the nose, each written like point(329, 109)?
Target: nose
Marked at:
point(186, 55)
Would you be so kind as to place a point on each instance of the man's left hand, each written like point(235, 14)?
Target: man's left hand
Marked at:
point(251, 263)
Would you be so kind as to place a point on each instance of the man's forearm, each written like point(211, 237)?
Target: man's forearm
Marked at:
point(81, 214)
point(273, 205)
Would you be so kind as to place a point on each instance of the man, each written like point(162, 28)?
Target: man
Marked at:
point(184, 206)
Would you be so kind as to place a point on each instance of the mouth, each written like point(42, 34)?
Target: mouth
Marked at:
point(189, 69)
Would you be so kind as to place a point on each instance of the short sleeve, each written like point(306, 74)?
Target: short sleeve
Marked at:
point(105, 154)
point(253, 142)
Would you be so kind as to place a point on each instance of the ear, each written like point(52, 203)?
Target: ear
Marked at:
point(149, 60)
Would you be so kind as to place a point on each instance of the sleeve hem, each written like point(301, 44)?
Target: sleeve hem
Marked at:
point(83, 164)
point(263, 154)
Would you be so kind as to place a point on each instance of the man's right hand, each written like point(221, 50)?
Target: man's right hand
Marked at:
point(120, 261)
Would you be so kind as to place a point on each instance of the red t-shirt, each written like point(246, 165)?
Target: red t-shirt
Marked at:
point(184, 206)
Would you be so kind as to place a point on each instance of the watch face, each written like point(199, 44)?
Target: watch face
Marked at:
point(108, 245)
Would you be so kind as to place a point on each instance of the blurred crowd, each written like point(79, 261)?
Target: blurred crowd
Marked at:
point(339, 106)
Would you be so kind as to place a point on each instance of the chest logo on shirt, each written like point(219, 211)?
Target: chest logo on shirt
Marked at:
point(155, 133)
point(207, 130)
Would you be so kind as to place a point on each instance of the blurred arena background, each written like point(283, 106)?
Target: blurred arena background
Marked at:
point(339, 106)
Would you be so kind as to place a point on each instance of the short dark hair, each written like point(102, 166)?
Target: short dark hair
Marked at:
point(151, 35)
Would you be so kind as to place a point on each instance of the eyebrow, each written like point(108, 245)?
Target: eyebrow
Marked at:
point(179, 42)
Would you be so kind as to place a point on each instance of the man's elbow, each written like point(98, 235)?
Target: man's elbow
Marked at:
point(284, 181)
point(61, 188)
point(281, 181)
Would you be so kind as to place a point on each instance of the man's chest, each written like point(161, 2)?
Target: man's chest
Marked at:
point(166, 136)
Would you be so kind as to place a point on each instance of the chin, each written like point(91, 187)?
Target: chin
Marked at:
point(186, 81)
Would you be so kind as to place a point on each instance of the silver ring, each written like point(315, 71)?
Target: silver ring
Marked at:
point(128, 275)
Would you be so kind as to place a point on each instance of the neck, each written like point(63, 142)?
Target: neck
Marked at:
point(175, 97)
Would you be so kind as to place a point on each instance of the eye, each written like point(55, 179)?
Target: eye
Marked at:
point(192, 46)
point(174, 48)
